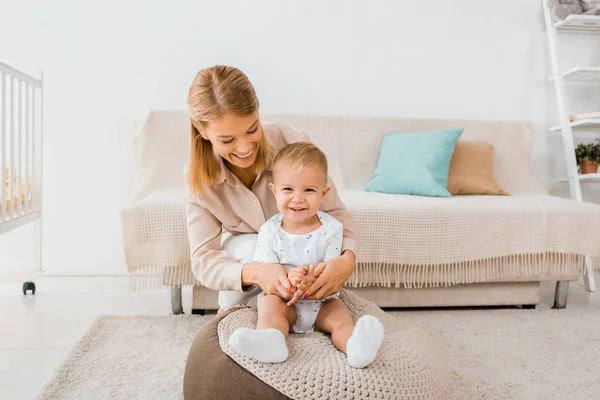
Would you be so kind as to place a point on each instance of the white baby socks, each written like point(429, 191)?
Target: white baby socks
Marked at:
point(269, 345)
point(366, 339)
point(266, 345)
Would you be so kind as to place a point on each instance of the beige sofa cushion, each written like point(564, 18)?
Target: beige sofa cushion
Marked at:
point(472, 170)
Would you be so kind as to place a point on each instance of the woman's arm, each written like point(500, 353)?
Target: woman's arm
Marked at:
point(213, 267)
point(272, 278)
point(332, 205)
point(216, 269)
point(266, 270)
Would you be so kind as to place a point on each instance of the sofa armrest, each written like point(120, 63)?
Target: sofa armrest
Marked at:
point(155, 237)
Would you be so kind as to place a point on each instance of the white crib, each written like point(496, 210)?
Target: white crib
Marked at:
point(21, 157)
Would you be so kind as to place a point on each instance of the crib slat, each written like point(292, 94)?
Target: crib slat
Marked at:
point(11, 164)
point(27, 149)
point(18, 163)
point(40, 150)
point(34, 160)
point(3, 148)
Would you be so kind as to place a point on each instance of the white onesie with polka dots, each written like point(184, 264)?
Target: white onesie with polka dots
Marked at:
point(275, 245)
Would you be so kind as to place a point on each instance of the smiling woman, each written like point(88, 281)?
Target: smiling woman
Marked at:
point(224, 107)
point(228, 175)
point(240, 150)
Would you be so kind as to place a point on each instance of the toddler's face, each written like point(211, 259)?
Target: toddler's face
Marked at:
point(299, 192)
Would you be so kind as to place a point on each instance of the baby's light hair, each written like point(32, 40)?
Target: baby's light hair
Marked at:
point(298, 154)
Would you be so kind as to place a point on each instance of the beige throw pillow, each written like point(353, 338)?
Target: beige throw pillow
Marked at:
point(472, 170)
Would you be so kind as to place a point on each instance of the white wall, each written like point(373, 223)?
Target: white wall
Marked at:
point(103, 62)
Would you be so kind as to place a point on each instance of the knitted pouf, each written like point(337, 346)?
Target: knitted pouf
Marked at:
point(408, 365)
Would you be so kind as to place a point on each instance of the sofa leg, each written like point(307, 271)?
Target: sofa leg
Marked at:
point(176, 301)
point(560, 295)
point(588, 277)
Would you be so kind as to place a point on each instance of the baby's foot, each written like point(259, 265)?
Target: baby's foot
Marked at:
point(366, 339)
point(266, 345)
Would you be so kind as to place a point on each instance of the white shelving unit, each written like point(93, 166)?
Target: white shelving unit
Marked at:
point(590, 178)
point(582, 75)
point(595, 178)
point(581, 24)
point(580, 123)
point(577, 23)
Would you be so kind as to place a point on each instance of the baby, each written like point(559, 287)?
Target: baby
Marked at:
point(299, 238)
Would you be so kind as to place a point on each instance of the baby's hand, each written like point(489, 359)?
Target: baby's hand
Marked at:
point(310, 276)
point(296, 275)
point(306, 277)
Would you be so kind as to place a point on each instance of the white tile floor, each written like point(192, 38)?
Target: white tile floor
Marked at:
point(37, 331)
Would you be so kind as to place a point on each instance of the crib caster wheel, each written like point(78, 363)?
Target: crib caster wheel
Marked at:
point(28, 286)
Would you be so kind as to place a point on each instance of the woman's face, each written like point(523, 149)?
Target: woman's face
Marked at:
point(235, 138)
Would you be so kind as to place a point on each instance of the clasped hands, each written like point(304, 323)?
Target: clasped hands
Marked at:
point(312, 282)
point(301, 278)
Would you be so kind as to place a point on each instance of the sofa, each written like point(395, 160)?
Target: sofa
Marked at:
point(416, 251)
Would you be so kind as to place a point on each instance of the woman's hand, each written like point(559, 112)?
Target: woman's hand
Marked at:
point(301, 279)
point(272, 278)
point(332, 275)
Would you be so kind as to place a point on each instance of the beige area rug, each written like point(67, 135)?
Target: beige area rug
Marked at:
point(494, 353)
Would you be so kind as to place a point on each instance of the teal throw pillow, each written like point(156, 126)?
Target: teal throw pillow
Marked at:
point(415, 163)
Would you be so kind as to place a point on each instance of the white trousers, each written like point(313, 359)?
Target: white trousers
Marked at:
point(241, 247)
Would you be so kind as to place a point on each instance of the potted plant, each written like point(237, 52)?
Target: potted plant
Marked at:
point(587, 156)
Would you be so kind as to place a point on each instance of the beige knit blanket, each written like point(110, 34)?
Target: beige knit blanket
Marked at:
point(426, 241)
point(406, 241)
point(408, 365)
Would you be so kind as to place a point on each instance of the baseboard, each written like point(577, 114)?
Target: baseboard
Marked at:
point(476, 294)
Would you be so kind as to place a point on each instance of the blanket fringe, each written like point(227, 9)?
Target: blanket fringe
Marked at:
point(409, 276)
point(414, 276)
point(156, 277)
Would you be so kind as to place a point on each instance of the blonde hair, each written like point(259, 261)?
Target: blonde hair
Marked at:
point(296, 155)
point(216, 91)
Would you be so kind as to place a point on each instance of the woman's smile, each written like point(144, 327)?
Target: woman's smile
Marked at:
point(244, 156)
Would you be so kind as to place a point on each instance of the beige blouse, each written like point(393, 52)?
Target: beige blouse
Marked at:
point(231, 206)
